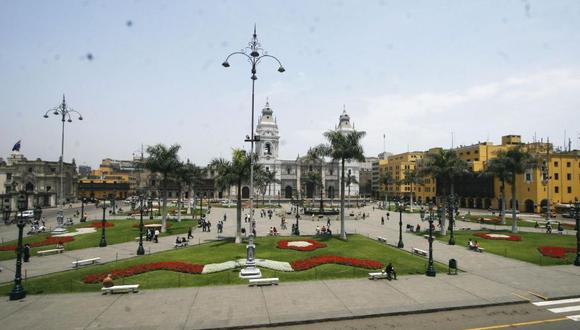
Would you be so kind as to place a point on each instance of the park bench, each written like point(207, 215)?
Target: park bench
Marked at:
point(419, 251)
point(382, 239)
point(182, 244)
point(377, 276)
point(51, 251)
point(121, 288)
point(264, 281)
point(427, 236)
point(84, 262)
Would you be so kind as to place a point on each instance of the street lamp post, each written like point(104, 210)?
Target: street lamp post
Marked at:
point(254, 57)
point(83, 201)
point(430, 217)
point(400, 245)
point(64, 112)
point(575, 213)
point(451, 211)
point(140, 249)
point(18, 291)
point(103, 241)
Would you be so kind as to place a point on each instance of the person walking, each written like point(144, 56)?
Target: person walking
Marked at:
point(189, 235)
point(156, 236)
point(26, 252)
point(382, 220)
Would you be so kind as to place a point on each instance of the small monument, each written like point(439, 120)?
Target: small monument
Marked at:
point(250, 271)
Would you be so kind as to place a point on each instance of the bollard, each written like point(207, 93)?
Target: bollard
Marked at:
point(116, 256)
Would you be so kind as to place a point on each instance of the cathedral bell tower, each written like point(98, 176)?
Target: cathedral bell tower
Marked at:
point(267, 129)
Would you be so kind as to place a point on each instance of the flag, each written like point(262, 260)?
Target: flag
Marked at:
point(16, 146)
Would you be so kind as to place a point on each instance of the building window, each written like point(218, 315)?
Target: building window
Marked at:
point(555, 164)
point(556, 189)
point(556, 176)
point(331, 171)
point(569, 176)
point(288, 170)
point(568, 164)
point(569, 190)
point(30, 170)
point(53, 169)
point(8, 176)
point(528, 177)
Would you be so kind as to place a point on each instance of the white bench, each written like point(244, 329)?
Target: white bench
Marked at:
point(382, 239)
point(377, 276)
point(90, 261)
point(264, 281)
point(121, 288)
point(419, 251)
point(52, 251)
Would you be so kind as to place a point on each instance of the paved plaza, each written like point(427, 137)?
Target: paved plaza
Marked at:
point(486, 280)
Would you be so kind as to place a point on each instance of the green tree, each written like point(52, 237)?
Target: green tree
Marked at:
point(342, 147)
point(498, 167)
point(386, 179)
point(188, 175)
point(263, 179)
point(165, 161)
point(316, 156)
point(517, 162)
point(445, 166)
point(234, 172)
point(411, 178)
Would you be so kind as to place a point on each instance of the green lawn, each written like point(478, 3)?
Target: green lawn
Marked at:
point(123, 231)
point(524, 250)
point(356, 246)
point(490, 220)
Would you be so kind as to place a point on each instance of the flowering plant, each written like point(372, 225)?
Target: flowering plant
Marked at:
point(136, 225)
point(555, 251)
point(48, 241)
point(175, 266)
point(507, 237)
point(321, 260)
point(99, 224)
point(301, 245)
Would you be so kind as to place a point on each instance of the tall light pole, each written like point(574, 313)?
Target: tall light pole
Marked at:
point(400, 245)
point(254, 57)
point(575, 213)
point(103, 241)
point(18, 291)
point(430, 217)
point(451, 209)
point(66, 114)
point(140, 249)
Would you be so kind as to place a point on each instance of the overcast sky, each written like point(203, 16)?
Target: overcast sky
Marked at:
point(147, 72)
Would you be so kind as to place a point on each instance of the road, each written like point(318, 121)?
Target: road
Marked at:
point(519, 316)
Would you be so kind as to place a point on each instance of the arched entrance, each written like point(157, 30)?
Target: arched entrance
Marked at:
point(330, 192)
point(462, 202)
point(29, 187)
point(487, 203)
point(245, 192)
point(478, 203)
point(309, 190)
point(529, 206)
point(470, 203)
point(288, 192)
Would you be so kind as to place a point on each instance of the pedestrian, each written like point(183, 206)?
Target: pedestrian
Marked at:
point(208, 226)
point(327, 221)
point(388, 216)
point(225, 217)
point(108, 281)
point(390, 271)
point(189, 235)
point(156, 237)
point(382, 220)
point(26, 252)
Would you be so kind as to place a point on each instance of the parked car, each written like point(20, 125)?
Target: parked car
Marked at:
point(28, 214)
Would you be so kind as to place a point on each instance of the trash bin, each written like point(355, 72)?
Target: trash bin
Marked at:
point(452, 267)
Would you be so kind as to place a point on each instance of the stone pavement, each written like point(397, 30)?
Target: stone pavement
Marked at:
point(488, 279)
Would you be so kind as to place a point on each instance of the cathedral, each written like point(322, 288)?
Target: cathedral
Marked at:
point(291, 174)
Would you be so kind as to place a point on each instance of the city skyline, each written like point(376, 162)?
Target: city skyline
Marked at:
point(151, 73)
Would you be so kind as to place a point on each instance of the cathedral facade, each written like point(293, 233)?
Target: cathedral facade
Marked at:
point(291, 175)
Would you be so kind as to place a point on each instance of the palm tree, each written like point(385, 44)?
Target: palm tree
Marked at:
point(386, 180)
point(445, 166)
point(517, 162)
point(269, 177)
point(187, 176)
point(316, 155)
point(234, 172)
point(411, 178)
point(350, 179)
point(312, 179)
point(342, 147)
point(165, 161)
point(498, 167)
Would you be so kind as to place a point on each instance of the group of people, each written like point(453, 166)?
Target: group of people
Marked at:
point(474, 246)
point(323, 231)
point(268, 213)
point(274, 231)
point(205, 224)
point(414, 229)
point(181, 241)
point(152, 235)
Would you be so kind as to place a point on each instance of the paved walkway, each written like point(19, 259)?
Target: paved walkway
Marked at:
point(488, 279)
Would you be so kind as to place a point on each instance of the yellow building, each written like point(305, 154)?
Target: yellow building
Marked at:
point(105, 183)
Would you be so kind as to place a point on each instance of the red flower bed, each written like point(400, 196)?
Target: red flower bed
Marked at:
point(555, 251)
point(48, 241)
point(99, 224)
point(175, 266)
point(283, 244)
point(312, 262)
point(508, 238)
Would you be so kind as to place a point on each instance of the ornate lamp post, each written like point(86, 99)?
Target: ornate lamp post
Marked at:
point(254, 57)
point(18, 291)
point(451, 211)
point(83, 201)
point(64, 111)
point(103, 241)
point(400, 245)
point(150, 204)
point(575, 213)
point(140, 249)
point(430, 217)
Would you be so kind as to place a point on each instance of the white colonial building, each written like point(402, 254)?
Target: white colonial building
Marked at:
point(291, 174)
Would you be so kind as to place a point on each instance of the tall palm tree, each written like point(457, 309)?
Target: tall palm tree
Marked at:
point(517, 162)
point(188, 175)
point(412, 177)
point(386, 180)
point(312, 179)
point(498, 167)
point(234, 172)
point(165, 161)
point(350, 180)
point(343, 147)
point(445, 166)
point(316, 155)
